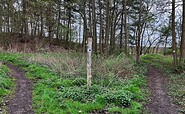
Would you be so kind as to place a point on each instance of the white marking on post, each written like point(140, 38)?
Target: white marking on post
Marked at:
point(89, 62)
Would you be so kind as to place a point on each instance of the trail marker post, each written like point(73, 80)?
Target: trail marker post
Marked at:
point(89, 62)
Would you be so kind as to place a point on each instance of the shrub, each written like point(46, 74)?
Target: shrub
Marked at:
point(81, 93)
point(119, 98)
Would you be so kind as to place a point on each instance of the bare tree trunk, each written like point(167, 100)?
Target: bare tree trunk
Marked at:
point(107, 29)
point(139, 36)
point(18, 27)
point(94, 27)
point(68, 27)
point(165, 43)
point(121, 31)
point(25, 15)
point(50, 23)
point(182, 47)
point(8, 18)
point(1, 23)
point(112, 27)
point(70, 30)
point(84, 27)
point(142, 37)
point(11, 16)
point(80, 28)
point(36, 26)
point(32, 28)
point(41, 24)
point(101, 26)
point(59, 17)
point(90, 19)
point(126, 28)
point(174, 36)
point(114, 33)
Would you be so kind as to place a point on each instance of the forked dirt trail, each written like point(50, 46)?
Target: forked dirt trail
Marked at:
point(21, 101)
point(160, 102)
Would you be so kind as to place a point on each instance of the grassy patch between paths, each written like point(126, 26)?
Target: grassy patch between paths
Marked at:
point(58, 92)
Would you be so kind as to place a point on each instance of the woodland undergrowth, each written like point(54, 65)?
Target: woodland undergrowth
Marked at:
point(60, 83)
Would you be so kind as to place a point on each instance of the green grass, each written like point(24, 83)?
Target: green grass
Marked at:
point(59, 83)
point(6, 86)
point(176, 81)
point(177, 90)
point(164, 63)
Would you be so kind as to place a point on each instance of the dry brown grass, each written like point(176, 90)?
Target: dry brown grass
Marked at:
point(74, 64)
point(65, 64)
point(15, 42)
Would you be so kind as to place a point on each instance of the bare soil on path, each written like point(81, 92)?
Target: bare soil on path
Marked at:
point(21, 102)
point(160, 102)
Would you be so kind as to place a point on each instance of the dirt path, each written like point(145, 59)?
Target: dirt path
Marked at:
point(22, 99)
point(160, 102)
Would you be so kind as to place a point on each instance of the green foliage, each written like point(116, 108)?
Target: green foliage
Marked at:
point(6, 85)
point(177, 88)
point(181, 66)
point(168, 51)
point(119, 98)
point(75, 107)
point(79, 82)
point(162, 62)
point(5, 82)
point(81, 93)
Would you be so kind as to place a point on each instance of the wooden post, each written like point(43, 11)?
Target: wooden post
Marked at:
point(89, 62)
